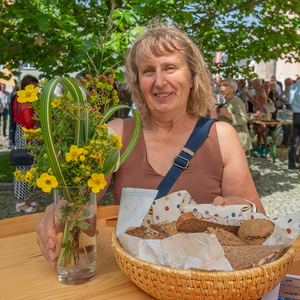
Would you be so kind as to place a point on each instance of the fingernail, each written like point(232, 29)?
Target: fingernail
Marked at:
point(51, 262)
point(51, 254)
point(50, 243)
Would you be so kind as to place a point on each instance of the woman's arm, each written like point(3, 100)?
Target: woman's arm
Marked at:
point(236, 179)
point(262, 97)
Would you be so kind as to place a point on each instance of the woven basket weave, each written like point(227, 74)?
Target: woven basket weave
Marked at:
point(168, 283)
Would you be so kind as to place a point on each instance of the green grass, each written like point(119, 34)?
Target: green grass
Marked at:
point(6, 169)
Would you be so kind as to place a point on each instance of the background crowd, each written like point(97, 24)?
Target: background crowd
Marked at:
point(235, 100)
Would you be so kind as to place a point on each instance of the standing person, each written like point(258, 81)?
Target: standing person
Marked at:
point(241, 92)
point(273, 95)
point(279, 87)
point(258, 100)
point(217, 89)
point(171, 86)
point(12, 123)
point(5, 100)
point(23, 117)
point(234, 112)
point(251, 92)
point(295, 139)
point(284, 99)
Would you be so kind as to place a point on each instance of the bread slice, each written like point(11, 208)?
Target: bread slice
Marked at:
point(256, 231)
point(188, 223)
point(145, 233)
point(225, 237)
point(243, 257)
point(167, 228)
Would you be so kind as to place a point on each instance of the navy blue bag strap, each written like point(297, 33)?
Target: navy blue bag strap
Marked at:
point(182, 161)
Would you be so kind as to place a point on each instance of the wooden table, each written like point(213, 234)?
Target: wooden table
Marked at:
point(270, 123)
point(25, 274)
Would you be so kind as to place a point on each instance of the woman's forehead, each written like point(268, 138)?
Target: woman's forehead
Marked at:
point(156, 48)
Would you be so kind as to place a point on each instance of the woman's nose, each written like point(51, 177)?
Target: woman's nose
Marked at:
point(159, 79)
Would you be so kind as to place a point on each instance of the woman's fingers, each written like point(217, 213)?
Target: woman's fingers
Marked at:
point(230, 200)
point(46, 236)
point(219, 200)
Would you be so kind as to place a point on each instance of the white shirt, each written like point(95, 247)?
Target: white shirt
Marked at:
point(5, 100)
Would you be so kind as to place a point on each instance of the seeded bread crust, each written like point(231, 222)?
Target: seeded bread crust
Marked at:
point(145, 233)
point(225, 237)
point(167, 228)
point(188, 223)
point(256, 231)
point(243, 257)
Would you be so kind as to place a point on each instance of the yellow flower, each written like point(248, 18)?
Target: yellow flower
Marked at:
point(77, 179)
point(43, 82)
point(33, 170)
point(97, 182)
point(82, 166)
point(46, 182)
point(82, 158)
point(103, 126)
point(29, 95)
point(105, 144)
point(56, 102)
point(18, 175)
point(74, 153)
point(28, 176)
point(85, 152)
point(31, 130)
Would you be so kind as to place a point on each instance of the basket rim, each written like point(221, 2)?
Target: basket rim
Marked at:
point(290, 251)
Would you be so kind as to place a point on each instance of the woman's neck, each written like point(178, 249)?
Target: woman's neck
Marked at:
point(169, 124)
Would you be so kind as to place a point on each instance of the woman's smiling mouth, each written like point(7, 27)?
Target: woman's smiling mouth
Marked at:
point(163, 95)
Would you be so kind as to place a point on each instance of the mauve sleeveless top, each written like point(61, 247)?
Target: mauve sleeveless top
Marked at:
point(202, 178)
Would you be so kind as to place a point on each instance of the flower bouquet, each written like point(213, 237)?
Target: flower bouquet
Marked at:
point(73, 152)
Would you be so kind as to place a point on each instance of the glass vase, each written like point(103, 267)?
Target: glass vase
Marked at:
point(76, 233)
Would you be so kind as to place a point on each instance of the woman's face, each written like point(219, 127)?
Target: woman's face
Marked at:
point(165, 82)
point(255, 86)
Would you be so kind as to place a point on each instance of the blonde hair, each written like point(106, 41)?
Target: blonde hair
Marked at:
point(257, 81)
point(161, 39)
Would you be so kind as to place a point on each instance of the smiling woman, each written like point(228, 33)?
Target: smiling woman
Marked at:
point(161, 41)
point(171, 87)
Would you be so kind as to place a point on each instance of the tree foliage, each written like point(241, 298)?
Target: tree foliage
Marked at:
point(55, 35)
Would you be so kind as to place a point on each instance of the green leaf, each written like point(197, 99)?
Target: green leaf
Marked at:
point(83, 225)
point(43, 22)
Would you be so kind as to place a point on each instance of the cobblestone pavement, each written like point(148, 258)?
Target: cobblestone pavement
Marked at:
point(278, 189)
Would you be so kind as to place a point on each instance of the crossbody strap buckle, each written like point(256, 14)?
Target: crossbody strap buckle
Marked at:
point(181, 162)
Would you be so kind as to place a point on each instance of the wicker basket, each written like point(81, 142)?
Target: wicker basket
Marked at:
point(169, 283)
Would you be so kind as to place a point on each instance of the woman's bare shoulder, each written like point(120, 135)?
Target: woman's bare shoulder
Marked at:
point(117, 125)
point(229, 141)
point(224, 128)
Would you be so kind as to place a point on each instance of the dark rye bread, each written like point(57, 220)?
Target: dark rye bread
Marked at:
point(167, 228)
point(145, 233)
point(256, 231)
point(225, 237)
point(189, 223)
point(243, 257)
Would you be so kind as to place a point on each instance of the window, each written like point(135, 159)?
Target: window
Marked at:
point(28, 66)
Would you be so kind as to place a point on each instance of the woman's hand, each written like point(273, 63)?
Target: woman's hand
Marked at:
point(46, 236)
point(230, 200)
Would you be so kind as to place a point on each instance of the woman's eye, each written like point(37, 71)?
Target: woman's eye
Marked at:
point(148, 71)
point(170, 68)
